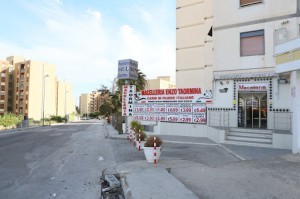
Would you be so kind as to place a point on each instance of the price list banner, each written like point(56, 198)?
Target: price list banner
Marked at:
point(171, 112)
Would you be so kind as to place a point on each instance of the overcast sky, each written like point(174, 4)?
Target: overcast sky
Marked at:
point(86, 38)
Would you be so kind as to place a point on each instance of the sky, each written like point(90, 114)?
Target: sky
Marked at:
point(86, 38)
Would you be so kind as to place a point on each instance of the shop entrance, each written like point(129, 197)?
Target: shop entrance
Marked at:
point(252, 109)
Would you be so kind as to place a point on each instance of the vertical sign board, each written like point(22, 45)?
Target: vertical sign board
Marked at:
point(128, 100)
point(127, 69)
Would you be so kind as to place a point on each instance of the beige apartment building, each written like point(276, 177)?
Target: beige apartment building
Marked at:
point(161, 82)
point(91, 102)
point(32, 90)
point(85, 103)
point(6, 87)
point(250, 95)
point(65, 100)
point(194, 44)
point(251, 65)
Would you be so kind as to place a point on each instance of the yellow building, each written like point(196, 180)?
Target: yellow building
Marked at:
point(85, 103)
point(31, 89)
point(6, 87)
point(65, 100)
point(162, 82)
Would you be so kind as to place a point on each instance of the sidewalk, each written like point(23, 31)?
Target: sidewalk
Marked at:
point(148, 181)
point(201, 168)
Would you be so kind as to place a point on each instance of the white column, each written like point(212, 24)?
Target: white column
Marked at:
point(295, 109)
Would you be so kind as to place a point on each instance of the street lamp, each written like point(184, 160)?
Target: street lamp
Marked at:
point(66, 105)
point(43, 98)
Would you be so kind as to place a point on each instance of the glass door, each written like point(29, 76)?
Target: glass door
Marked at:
point(252, 110)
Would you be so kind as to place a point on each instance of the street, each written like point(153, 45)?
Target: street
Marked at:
point(54, 162)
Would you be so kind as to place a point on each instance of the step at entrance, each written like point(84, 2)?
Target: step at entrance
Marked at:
point(250, 137)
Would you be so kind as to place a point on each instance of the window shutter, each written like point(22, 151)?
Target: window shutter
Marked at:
point(247, 2)
point(252, 45)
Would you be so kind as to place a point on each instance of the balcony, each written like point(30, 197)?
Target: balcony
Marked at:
point(287, 56)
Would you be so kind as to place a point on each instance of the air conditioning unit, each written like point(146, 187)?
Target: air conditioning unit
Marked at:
point(280, 36)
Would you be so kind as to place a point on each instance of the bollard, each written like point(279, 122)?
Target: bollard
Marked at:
point(134, 138)
point(130, 135)
point(139, 140)
point(127, 132)
point(154, 150)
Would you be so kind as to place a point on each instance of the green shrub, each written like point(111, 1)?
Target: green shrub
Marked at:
point(57, 119)
point(10, 120)
point(143, 136)
point(150, 141)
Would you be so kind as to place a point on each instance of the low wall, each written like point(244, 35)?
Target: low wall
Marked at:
point(184, 129)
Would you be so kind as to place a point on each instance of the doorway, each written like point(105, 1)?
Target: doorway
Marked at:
point(252, 109)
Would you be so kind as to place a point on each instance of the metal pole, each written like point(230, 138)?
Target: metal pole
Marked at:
point(43, 98)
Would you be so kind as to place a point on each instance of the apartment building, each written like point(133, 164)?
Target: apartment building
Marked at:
point(85, 103)
point(161, 82)
point(194, 44)
point(6, 87)
point(65, 100)
point(248, 91)
point(30, 88)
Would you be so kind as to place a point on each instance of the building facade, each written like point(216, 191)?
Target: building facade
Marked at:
point(85, 103)
point(65, 100)
point(194, 44)
point(248, 91)
point(251, 65)
point(31, 89)
point(6, 87)
point(162, 82)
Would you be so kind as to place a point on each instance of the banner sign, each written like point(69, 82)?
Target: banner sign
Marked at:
point(176, 95)
point(128, 100)
point(253, 87)
point(171, 112)
point(127, 69)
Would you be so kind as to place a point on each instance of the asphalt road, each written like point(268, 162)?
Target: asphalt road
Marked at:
point(54, 162)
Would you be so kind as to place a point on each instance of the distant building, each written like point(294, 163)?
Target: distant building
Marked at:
point(65, 100)
point(91, 102)
point(6, 87)
point(162, 82)
point(25, 81)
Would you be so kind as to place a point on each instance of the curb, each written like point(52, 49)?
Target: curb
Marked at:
point(117, 138)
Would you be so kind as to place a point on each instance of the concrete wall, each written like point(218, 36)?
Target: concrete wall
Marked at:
point(229, 12)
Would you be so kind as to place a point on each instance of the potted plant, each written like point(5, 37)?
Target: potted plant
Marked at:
point(149, 148)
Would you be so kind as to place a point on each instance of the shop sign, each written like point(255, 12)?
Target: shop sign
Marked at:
point(176, 95)
point(253, 87)
point(127, 69)
point(128, 100)
point(171, 112)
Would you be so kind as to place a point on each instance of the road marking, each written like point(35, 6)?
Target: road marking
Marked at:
point(52, 178)
point(231, 152)
point(206, 144)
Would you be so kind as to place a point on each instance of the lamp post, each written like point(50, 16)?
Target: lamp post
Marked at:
point(43, 98)
point(66, 105)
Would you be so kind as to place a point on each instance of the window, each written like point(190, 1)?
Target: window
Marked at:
point(249, 2)
point(252, 43)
